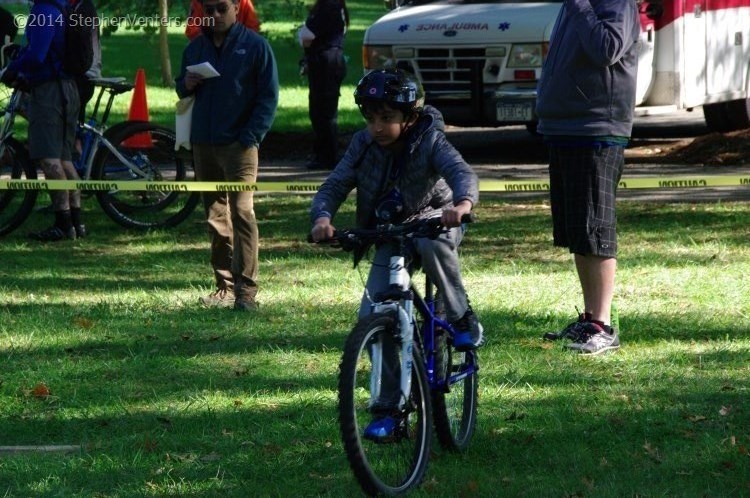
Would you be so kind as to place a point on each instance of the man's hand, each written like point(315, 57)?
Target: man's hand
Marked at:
point(192, 80)
point(322, 229)
point(452, 217)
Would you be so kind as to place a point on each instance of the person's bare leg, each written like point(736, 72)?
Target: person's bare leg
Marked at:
point(597, 276)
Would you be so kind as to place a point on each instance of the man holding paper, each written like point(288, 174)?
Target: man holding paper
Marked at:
point(232, 73)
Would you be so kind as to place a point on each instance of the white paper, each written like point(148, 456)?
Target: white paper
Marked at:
point(183, 122)
point(205, 69)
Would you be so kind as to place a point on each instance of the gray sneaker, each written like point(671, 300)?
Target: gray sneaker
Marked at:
point(220, 298)
point(593, 340)
point(571, 331)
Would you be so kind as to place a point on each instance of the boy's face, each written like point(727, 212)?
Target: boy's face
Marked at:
point(385, 125)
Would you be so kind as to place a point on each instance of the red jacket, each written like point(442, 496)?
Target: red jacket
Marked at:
point(245, 16)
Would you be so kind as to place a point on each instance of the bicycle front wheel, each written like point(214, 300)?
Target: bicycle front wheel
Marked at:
point(455, 403)
point(149, 155)
point(395, 466)
point(15, 205)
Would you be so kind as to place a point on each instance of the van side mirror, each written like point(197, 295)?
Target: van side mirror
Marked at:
point(392, 4)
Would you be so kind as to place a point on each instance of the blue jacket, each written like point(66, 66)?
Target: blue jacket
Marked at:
point(239, 105)
point(433, 174)
point(588, 81)
point(41, 59)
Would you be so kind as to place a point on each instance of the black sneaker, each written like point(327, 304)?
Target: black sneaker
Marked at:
point(595, 339)
point(81, 231)
point(469, 332)
point(571, 331)
point(54, 234)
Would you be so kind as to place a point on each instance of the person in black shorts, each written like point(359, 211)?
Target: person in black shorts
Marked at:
point(52, 113)
point(585, 101)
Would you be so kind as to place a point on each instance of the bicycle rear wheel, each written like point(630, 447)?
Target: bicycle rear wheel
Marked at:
point(454, 407)
point(15, 205)
point(151, 148)
point(398, 465)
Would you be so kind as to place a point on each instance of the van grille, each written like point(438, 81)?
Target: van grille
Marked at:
point(449, 67)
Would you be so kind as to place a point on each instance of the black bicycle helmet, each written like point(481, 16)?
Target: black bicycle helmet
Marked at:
point(395, 87)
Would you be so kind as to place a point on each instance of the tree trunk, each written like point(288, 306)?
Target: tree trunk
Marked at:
point(166, 64)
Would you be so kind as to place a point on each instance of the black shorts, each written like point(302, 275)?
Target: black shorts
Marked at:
point(52, 125)
point(583, 184)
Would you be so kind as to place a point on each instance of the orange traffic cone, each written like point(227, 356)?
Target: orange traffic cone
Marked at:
point(139, 112)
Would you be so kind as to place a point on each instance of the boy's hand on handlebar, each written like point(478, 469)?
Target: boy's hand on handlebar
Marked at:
point(322, 230)
point(452, 216)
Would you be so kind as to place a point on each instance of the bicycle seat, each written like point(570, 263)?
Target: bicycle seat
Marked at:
point(115, 85)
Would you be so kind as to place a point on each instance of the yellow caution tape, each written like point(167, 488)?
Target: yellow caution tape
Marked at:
point(540, 185)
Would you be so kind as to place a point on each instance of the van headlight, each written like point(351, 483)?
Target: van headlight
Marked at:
point(526, 55)
point(377, 56)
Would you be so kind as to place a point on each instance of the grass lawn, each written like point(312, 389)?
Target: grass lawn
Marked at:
point(165, 398)
point(103, 345)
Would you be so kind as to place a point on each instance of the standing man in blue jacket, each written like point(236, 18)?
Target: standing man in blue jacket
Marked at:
point(52, 112)
point(231, 115)
point(586, 96)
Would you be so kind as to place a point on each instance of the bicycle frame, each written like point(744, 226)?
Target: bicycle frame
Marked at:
point(94, 138)
point(403, 299)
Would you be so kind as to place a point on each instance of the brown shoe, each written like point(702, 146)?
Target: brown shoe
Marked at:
point(220, 298)
point(245, 304)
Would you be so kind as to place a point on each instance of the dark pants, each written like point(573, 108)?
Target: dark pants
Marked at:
point(232, 226)
point(326, 71)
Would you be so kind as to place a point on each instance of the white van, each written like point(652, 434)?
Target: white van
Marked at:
point(479, 60)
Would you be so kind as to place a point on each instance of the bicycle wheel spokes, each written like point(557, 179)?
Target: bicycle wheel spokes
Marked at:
point(15, 205)
point(150, 150)
point(399, 464)
point(455, 405)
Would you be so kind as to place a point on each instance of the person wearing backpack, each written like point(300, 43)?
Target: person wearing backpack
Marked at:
point(53, 109)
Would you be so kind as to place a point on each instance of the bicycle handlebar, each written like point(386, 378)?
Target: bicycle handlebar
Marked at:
point(351, 238)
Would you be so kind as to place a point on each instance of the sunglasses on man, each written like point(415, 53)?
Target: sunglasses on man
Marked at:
point(221, 8)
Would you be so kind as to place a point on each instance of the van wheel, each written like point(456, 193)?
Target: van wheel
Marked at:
point(717, 117)
point(738, 112)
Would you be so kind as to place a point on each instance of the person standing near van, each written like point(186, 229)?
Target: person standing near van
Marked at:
point(585, 102)
point(322, 37)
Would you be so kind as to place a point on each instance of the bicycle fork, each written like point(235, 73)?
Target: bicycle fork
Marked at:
point(399, 283)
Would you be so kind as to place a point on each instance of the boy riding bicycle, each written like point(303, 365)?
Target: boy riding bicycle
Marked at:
point(403, 168)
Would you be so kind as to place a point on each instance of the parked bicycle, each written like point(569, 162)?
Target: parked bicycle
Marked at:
point(126, 151)
point(437, 382)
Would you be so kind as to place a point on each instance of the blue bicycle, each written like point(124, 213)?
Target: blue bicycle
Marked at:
point(438, 384)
